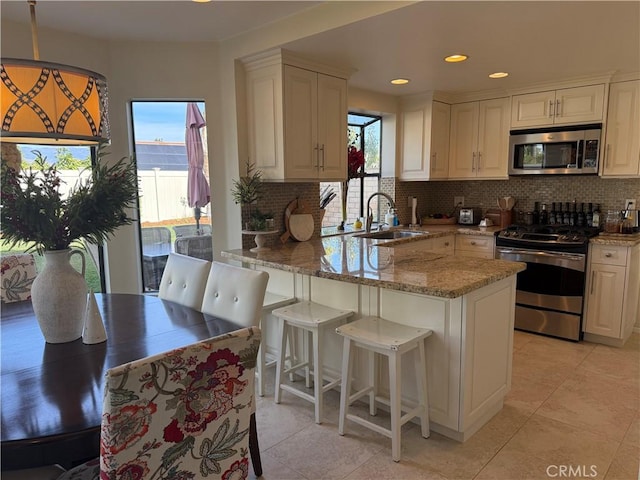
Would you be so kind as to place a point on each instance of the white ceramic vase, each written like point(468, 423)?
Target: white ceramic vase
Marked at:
point(59, 297)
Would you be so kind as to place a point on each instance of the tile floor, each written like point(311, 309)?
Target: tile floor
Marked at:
point(573, 406)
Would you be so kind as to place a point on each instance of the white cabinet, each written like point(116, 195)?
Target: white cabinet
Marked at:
point(424, 141)
point(296, 121)
point(479, 246)
point(444, 245)
point(479, 139)
point(622, 145)
point(558, 107)
point(613, 283)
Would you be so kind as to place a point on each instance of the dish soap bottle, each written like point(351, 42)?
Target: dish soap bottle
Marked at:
point(389, 218)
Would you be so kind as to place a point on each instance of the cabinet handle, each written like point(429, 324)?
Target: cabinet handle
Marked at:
point(608, 255)
point(322, 150)
point(473, 243)
point(550, 108)
point(558, 112)
point(593, 280)
point(473, 161)
point(446, 244)
point(479, 158)
point(316, 148)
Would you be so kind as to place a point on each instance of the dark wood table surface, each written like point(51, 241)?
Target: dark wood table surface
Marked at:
point(51, 394)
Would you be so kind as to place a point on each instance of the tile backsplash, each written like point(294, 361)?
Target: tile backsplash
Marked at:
point(437, 197)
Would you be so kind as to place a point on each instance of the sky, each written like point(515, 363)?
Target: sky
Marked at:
point(151, 121)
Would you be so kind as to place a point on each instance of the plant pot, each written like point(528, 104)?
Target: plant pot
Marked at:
point(59, 297)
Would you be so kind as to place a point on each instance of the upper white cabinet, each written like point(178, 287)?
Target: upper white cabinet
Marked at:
point(479, 139)
point(558, 107)
point(424, 141)
point(296, 120)
point(622, 145)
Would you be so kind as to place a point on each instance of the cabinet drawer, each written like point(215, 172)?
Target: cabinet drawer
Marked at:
point(444, 244)
point(610, 255)
point(475, 243)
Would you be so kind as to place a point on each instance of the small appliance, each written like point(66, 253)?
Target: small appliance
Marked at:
point(470, 216)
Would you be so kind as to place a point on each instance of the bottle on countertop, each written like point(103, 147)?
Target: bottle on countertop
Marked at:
point(536, 213)
point(552, 214)
point(582, 219)
point(589, 216)
point(573, 218)
point(544, 216)
point(566, 217)
point(596, 216)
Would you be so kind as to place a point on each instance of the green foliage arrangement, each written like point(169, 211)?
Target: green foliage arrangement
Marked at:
point(34, 210)
point(248, 189)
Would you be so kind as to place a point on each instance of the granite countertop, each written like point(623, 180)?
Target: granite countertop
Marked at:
point(357, 260)
point(621, 240)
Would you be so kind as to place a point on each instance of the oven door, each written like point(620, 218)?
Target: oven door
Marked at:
point(552, 280)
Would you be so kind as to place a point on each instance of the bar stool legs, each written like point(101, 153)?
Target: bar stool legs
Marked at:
point(382, 337)
point(313, 319)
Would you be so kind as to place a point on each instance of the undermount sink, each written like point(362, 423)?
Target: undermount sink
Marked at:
point(391, 234)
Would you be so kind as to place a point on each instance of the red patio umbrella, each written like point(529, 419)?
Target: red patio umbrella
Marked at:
point(198, 193)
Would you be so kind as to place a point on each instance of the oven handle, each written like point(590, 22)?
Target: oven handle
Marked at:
point(536, 256)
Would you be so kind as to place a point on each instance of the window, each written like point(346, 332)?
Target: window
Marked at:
point(159, 130)
point(73, 163)
point(364, 133)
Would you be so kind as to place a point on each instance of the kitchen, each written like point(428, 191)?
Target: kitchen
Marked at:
point(130, 65)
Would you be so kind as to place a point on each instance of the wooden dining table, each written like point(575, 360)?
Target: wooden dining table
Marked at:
point(51, 396)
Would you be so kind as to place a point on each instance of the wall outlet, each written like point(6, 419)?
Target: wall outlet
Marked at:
point(458, 201)
point(630, 204)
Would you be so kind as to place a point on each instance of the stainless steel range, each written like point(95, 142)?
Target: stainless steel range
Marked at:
point(549, 294)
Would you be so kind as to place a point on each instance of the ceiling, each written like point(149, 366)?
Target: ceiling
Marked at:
point(535, 42)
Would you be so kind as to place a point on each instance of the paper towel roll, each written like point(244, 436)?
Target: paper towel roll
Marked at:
point(414, 216)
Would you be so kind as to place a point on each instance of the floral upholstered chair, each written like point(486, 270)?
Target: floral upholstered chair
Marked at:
point(184, 414)
point(18, 273)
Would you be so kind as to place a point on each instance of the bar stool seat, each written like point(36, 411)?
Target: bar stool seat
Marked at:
point(380, 336)
point(313, 319)
point(271, 302)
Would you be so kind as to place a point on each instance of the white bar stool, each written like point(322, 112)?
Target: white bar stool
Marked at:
point(392, 340)
point(271, 302)
point(313, 319)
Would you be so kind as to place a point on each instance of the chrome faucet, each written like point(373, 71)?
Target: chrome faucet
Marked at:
point(369, 220)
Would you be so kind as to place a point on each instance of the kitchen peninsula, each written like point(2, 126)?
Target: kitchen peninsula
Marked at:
point(467, 302)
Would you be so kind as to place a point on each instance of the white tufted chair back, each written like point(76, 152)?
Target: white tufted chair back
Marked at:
point(184, 280)
point(235, 294)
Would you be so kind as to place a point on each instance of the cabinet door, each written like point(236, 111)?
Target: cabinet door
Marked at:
point(413, 164)
point(300, 123)
point(264, 121)
point(532, 109)
point(605, 290)
point(332, 127)
point(464, 139)
point(493, 139)
point(622, 147)
point(580, 104)
point(439, 152)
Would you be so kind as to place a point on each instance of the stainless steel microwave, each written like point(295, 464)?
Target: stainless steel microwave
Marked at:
point(558, 150)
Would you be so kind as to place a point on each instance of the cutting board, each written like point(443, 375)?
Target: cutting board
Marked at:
point(301, 226)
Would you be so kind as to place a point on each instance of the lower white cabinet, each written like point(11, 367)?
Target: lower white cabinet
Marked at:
point(611, 303)
point(479, 246)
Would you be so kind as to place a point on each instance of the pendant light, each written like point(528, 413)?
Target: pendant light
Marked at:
point(49, 103)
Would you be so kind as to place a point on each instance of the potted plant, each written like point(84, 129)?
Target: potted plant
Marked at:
point(34, 210)
point(247, 191)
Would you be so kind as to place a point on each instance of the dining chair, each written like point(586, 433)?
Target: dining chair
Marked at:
point(235, 294)
point(198, 246)
point(17, 274)
point(183, 280)
point(155, 241)
point(185, 413)
point(191, 230)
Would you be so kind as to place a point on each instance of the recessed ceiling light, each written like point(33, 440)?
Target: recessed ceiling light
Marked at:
point(201, 1)
point(458, 57)
point(399, 81)
point(498, 75)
